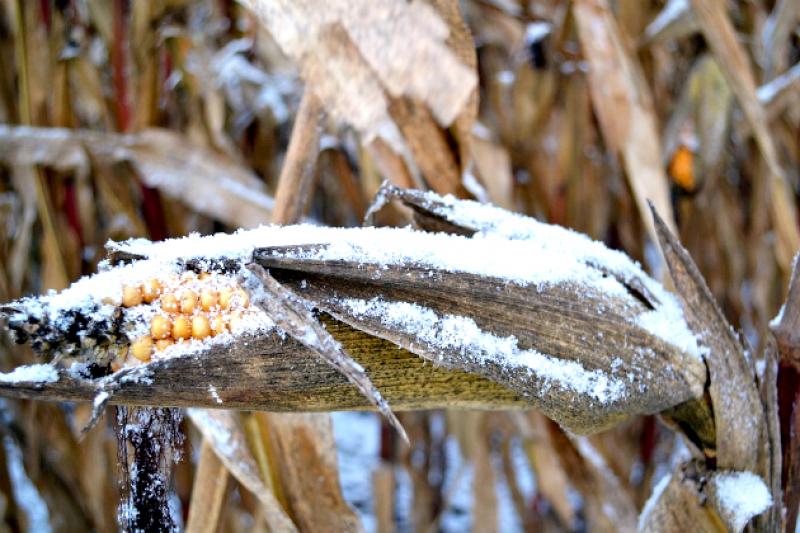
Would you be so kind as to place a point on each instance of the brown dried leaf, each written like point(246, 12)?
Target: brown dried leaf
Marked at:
point(308, 472)
point(738, 412)
point(504, 308)
point(721, 37)
point(624, 107)
point(678, 504)
point(293, 315)
point(223, 431)
point(210, 183)
point(208, 492)
point(552, 480)
point(786, 331)
point(429, 145)
point(609, 507)
point(350, 53)
point(674, 21)
point(776, 35)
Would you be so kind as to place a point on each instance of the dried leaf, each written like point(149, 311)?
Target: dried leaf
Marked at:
point(674, 21)
point(292, 314)
point(719, 33)
point(209, 183)
point(624, 107)
point(208, 492)
point(308, 472)
point(738, 412)
point(349, 54)
point(677, 504)
point(608, 506)
point(223, 432)
point(785, 328)
point(579, 350)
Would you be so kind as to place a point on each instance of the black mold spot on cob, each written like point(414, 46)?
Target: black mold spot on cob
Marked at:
point(85, 333)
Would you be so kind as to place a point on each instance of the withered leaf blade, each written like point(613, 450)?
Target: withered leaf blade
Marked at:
point(786, 331)
point(278, 374)
point(674, 21)
point(624, 106)
point(209, 182)
point(222, 429)
point(590, 341)
point(693, 498)
point(354, 54)
point(446, 214)
point(293, 315)
point(738, 412)
point(677, 504)
point(578, 353)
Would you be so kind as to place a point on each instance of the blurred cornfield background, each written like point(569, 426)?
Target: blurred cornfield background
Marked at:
point(131, 118)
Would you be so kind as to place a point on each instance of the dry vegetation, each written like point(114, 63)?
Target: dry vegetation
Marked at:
point(130, 118)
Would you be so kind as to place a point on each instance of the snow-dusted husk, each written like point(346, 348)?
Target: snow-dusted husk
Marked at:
point(462, 334)
point(507, 247)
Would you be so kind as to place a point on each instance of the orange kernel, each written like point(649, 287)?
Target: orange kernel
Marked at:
point(218, 325)
point(200, 327)
point(181, 327)
point(142, 348)
point(208, 299)
point(240, 298)
point(225, 297)
point(131, 295)
point(188, 302)
point(163, 344)
point(169, 303)
point(160, 327)
point(150, 290)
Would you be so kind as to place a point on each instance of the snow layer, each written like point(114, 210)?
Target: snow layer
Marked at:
point(462, 335)
point(507, 247)
point(31, 374)
point(741, 495)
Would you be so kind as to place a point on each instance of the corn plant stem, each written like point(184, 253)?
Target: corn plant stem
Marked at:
point(208, 492)
point(296, 179)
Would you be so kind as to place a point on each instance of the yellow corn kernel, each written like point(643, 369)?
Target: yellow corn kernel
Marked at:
point(131, 295)
point(142, 348)
point(150, 290)
point(240, 298)
point(169, 303)
point(208, 299)
point(163, 344)
point(235, 320)
point(218, 325)
point(188, 302)
point(200, 327)
point(181, 327)
point(160, 327)
point(225, 295)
